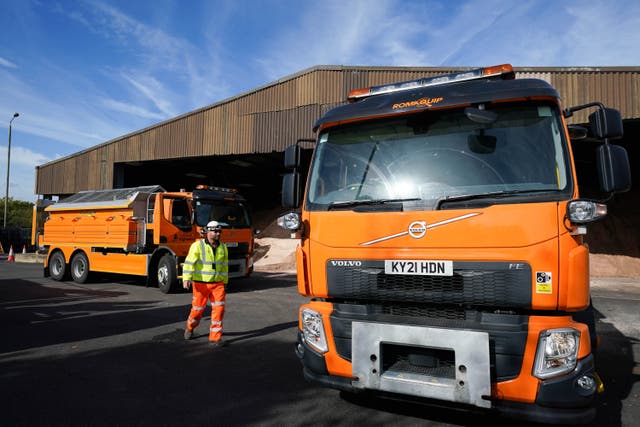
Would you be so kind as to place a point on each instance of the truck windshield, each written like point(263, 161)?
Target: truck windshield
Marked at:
point(427, 159)
point(231, 215)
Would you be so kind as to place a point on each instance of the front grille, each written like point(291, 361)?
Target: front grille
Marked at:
point(507, 334)
point(422, 311)
point(361, 291)
point(239, 251)
point(416, 360)
point(495, 284)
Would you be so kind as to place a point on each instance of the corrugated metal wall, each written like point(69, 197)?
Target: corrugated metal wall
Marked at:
point(275, 115)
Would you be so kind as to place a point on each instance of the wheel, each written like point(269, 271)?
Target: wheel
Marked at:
point(57, 266)
point(79, 267)
point(167, 276)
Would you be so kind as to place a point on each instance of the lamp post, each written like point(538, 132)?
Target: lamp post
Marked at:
point(6, 194)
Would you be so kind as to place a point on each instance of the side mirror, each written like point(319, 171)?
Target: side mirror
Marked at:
point(606, 123)
point(614, 171)
point(292, 156)
point(291, 190)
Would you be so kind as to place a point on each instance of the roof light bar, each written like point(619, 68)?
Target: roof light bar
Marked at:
point(214, 188)
point(504, 71)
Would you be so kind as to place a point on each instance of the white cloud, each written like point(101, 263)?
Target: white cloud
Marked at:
point(128, 108)
point(72, 120)
point(21, 173)
point(603, 33)
point(6, 63)
point(153, 90)
point(167, 71)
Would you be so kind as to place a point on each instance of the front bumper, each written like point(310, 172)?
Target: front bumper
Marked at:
point(558, 401)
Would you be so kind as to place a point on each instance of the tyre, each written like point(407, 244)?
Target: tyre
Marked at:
point(79, 267)
point(167, 275)
point(57, 266)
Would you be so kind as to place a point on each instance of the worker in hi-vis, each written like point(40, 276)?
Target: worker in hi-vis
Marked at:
point(206, 272)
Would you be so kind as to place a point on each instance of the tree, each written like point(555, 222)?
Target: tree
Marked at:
point(19, 213)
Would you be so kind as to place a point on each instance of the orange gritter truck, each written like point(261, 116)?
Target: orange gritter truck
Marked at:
point(143, 231)
point(442, 245)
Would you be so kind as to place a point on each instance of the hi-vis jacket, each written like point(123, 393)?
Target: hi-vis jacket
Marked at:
point(202, 265)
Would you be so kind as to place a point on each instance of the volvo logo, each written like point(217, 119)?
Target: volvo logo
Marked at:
point(346, 263)
point(417, 229)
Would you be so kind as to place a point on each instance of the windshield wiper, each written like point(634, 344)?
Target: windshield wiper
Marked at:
point(368, 202)
point(493, 194)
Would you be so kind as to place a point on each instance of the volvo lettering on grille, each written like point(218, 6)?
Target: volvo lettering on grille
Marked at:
point(346, 263)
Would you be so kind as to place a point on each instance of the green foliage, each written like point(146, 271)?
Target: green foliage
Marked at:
point(19, 213)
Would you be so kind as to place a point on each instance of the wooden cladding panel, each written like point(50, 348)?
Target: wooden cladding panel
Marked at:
point(128, 149)
point(614, 89)
point(44, 179)
point(194, 134)
point(275, 130)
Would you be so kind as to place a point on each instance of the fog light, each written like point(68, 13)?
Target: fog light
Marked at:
point(587, 383)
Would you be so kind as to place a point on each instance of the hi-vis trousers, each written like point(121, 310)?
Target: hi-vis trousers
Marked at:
point(214, 292)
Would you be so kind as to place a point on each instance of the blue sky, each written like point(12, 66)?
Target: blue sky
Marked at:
point(83, 72)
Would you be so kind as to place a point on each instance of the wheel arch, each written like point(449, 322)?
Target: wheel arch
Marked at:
point(152, 268)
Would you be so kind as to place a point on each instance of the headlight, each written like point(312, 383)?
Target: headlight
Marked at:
point(581, 211)
point(289, 221)
point(313, 330)
point(557, 352)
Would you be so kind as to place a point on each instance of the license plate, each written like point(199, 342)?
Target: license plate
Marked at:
point(419, 267)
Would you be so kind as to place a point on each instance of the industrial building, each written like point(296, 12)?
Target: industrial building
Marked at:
point(239, 142)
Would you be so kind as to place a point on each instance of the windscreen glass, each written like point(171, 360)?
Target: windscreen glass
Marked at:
point(510, 150)
point(230, 215)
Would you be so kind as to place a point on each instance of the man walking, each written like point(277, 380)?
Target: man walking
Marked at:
point(206, 271)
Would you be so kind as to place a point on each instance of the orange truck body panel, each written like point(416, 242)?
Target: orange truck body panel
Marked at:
point(441, 247)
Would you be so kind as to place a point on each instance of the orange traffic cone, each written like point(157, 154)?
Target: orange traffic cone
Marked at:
point(12, 257)
point(24, 249)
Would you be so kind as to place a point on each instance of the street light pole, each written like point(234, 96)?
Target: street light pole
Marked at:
point(6, 194)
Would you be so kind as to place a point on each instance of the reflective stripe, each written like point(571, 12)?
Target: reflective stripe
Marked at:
point(215, 329)
point(218, 303)
point(208, 273)
point(198, 308)
point(204, 264)
point(203, 250)
point(216, 323)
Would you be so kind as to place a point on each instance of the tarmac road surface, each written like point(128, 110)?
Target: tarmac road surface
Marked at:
point(111, 352)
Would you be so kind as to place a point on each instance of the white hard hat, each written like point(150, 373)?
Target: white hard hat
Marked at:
point(213, 226)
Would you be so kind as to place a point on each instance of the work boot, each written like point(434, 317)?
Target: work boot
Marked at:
point(188, 333)
point(219, 343)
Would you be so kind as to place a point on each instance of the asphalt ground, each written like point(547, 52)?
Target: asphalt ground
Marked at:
point(111, 352)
